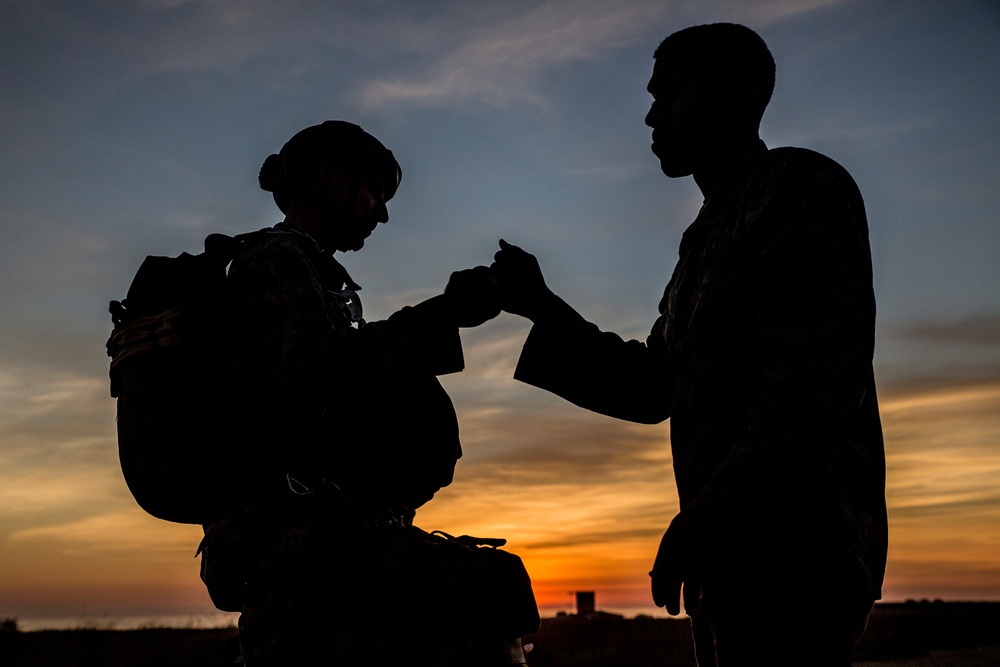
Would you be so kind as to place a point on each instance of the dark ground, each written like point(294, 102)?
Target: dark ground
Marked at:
point(899, 635)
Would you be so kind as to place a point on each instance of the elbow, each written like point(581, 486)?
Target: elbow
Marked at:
point(638, 412)
point(647, 403)
point(655, 417)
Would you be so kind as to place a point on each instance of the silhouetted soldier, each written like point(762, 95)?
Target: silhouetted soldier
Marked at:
point(354, 431)
point(761, 358)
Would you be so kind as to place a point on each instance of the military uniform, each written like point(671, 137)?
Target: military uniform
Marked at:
point(762, 359)
point(354, 432)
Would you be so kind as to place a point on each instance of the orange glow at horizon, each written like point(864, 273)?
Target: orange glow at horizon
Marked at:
point(944, 513)
point(581, 498)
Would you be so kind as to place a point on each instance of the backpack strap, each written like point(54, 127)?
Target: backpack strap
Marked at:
point(225, 247)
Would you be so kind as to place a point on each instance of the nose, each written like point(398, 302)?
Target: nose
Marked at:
point(381, 211)
point(652, 116)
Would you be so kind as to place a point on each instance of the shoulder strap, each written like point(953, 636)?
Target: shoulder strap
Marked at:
point(225, 247)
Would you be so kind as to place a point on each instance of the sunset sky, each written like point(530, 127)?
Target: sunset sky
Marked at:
point(135, 127)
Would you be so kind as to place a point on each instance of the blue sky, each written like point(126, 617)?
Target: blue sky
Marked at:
point(135, 128)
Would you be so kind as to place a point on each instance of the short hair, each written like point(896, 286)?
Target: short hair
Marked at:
point(727, 52)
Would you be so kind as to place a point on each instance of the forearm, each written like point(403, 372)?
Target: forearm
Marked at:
point(596, 370)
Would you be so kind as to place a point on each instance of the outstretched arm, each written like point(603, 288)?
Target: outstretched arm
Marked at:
point(572, 358)
point(311, 355)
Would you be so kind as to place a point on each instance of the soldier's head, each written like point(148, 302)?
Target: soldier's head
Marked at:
point(340, 174)
point(710, 84)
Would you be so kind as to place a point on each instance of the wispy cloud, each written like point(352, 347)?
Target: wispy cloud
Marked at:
point(500, 63)
point(980, 329)
point(943, 458)
point(833, 128)
point(504, 62)
point(127, 529)
point(58, 455)
point(952, 352)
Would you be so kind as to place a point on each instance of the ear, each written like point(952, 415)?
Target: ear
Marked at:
point(314, 181)
point(740, 93)
point(740, 97)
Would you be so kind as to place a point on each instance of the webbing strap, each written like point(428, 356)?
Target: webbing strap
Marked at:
point(144, 334)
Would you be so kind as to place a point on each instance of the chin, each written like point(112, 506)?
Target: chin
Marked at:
point(670, 166)
point(671, 170)
point(350, 244)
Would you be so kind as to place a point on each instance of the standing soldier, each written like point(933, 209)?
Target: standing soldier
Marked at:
point(352, 433)
point(762, 359)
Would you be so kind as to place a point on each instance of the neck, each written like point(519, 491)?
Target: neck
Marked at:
point(307, 218)
point(722, 161)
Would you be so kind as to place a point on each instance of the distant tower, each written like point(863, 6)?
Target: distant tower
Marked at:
point(585, 602)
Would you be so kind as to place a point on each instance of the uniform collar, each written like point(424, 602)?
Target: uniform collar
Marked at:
point(336, 267)
point(732, 183)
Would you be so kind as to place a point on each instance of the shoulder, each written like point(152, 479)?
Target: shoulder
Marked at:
point(802, 198)
point(275, 244)
point(275, 255)
point(804, 171)
point(800, 184)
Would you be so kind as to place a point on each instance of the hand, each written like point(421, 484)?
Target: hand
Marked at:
point(522, 288)
point(474, 296)
point(679, 561)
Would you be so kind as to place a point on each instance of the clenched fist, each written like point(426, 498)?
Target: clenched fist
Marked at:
point(522, 288)
point(473, 295)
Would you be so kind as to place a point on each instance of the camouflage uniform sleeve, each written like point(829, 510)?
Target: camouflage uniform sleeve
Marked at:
point(598, 370)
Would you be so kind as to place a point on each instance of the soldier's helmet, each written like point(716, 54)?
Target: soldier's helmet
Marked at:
point(341, 143)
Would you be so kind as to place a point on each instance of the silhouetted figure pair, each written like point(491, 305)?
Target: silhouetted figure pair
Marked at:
point(761, 358)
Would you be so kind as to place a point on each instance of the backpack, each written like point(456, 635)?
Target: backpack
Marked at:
point(189, 445)
point(181, 423)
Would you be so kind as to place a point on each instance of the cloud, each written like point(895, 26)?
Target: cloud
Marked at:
point(980, 329)
point(502, 63)
point(44, 493)
point(123, 530)
point(498, 64)
point(943, 462)
point(943, 450)
point(452, 52)
point(58, 456)
point(45, 409)
point(959, 352)
point(834, 128)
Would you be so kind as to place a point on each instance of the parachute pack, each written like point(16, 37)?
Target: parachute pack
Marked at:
point(179, 422)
